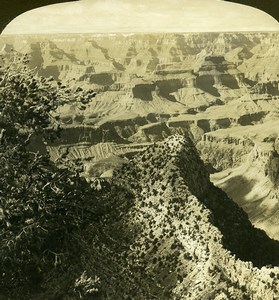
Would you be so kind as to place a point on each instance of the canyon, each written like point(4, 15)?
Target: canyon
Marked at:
point(192, 114)
point(221, 88)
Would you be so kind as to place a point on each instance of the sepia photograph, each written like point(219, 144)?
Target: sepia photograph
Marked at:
point(139, 149)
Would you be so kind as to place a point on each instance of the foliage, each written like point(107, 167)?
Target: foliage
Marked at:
point(87, 286)
point(40, 204)
point(28, 102)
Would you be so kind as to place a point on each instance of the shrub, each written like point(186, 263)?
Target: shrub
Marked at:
point(40, 204)
point(87, 287)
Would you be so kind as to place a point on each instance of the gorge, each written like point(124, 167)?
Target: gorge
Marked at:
point(188, 125)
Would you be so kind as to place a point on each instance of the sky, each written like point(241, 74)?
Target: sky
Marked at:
point(126, 16)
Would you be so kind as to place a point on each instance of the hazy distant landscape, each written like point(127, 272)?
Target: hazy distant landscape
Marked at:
point(182, 131)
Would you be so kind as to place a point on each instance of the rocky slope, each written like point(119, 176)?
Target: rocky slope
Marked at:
point(163, 231)
point(182, 238)
point(247, 161)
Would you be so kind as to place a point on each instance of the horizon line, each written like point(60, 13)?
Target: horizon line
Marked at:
point(132, 33)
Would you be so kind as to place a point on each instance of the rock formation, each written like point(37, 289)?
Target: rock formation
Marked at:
point(187, 239)
point(182, 237)
point(154, 85)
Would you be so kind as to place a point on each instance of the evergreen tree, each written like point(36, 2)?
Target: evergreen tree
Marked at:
point(41, 205)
